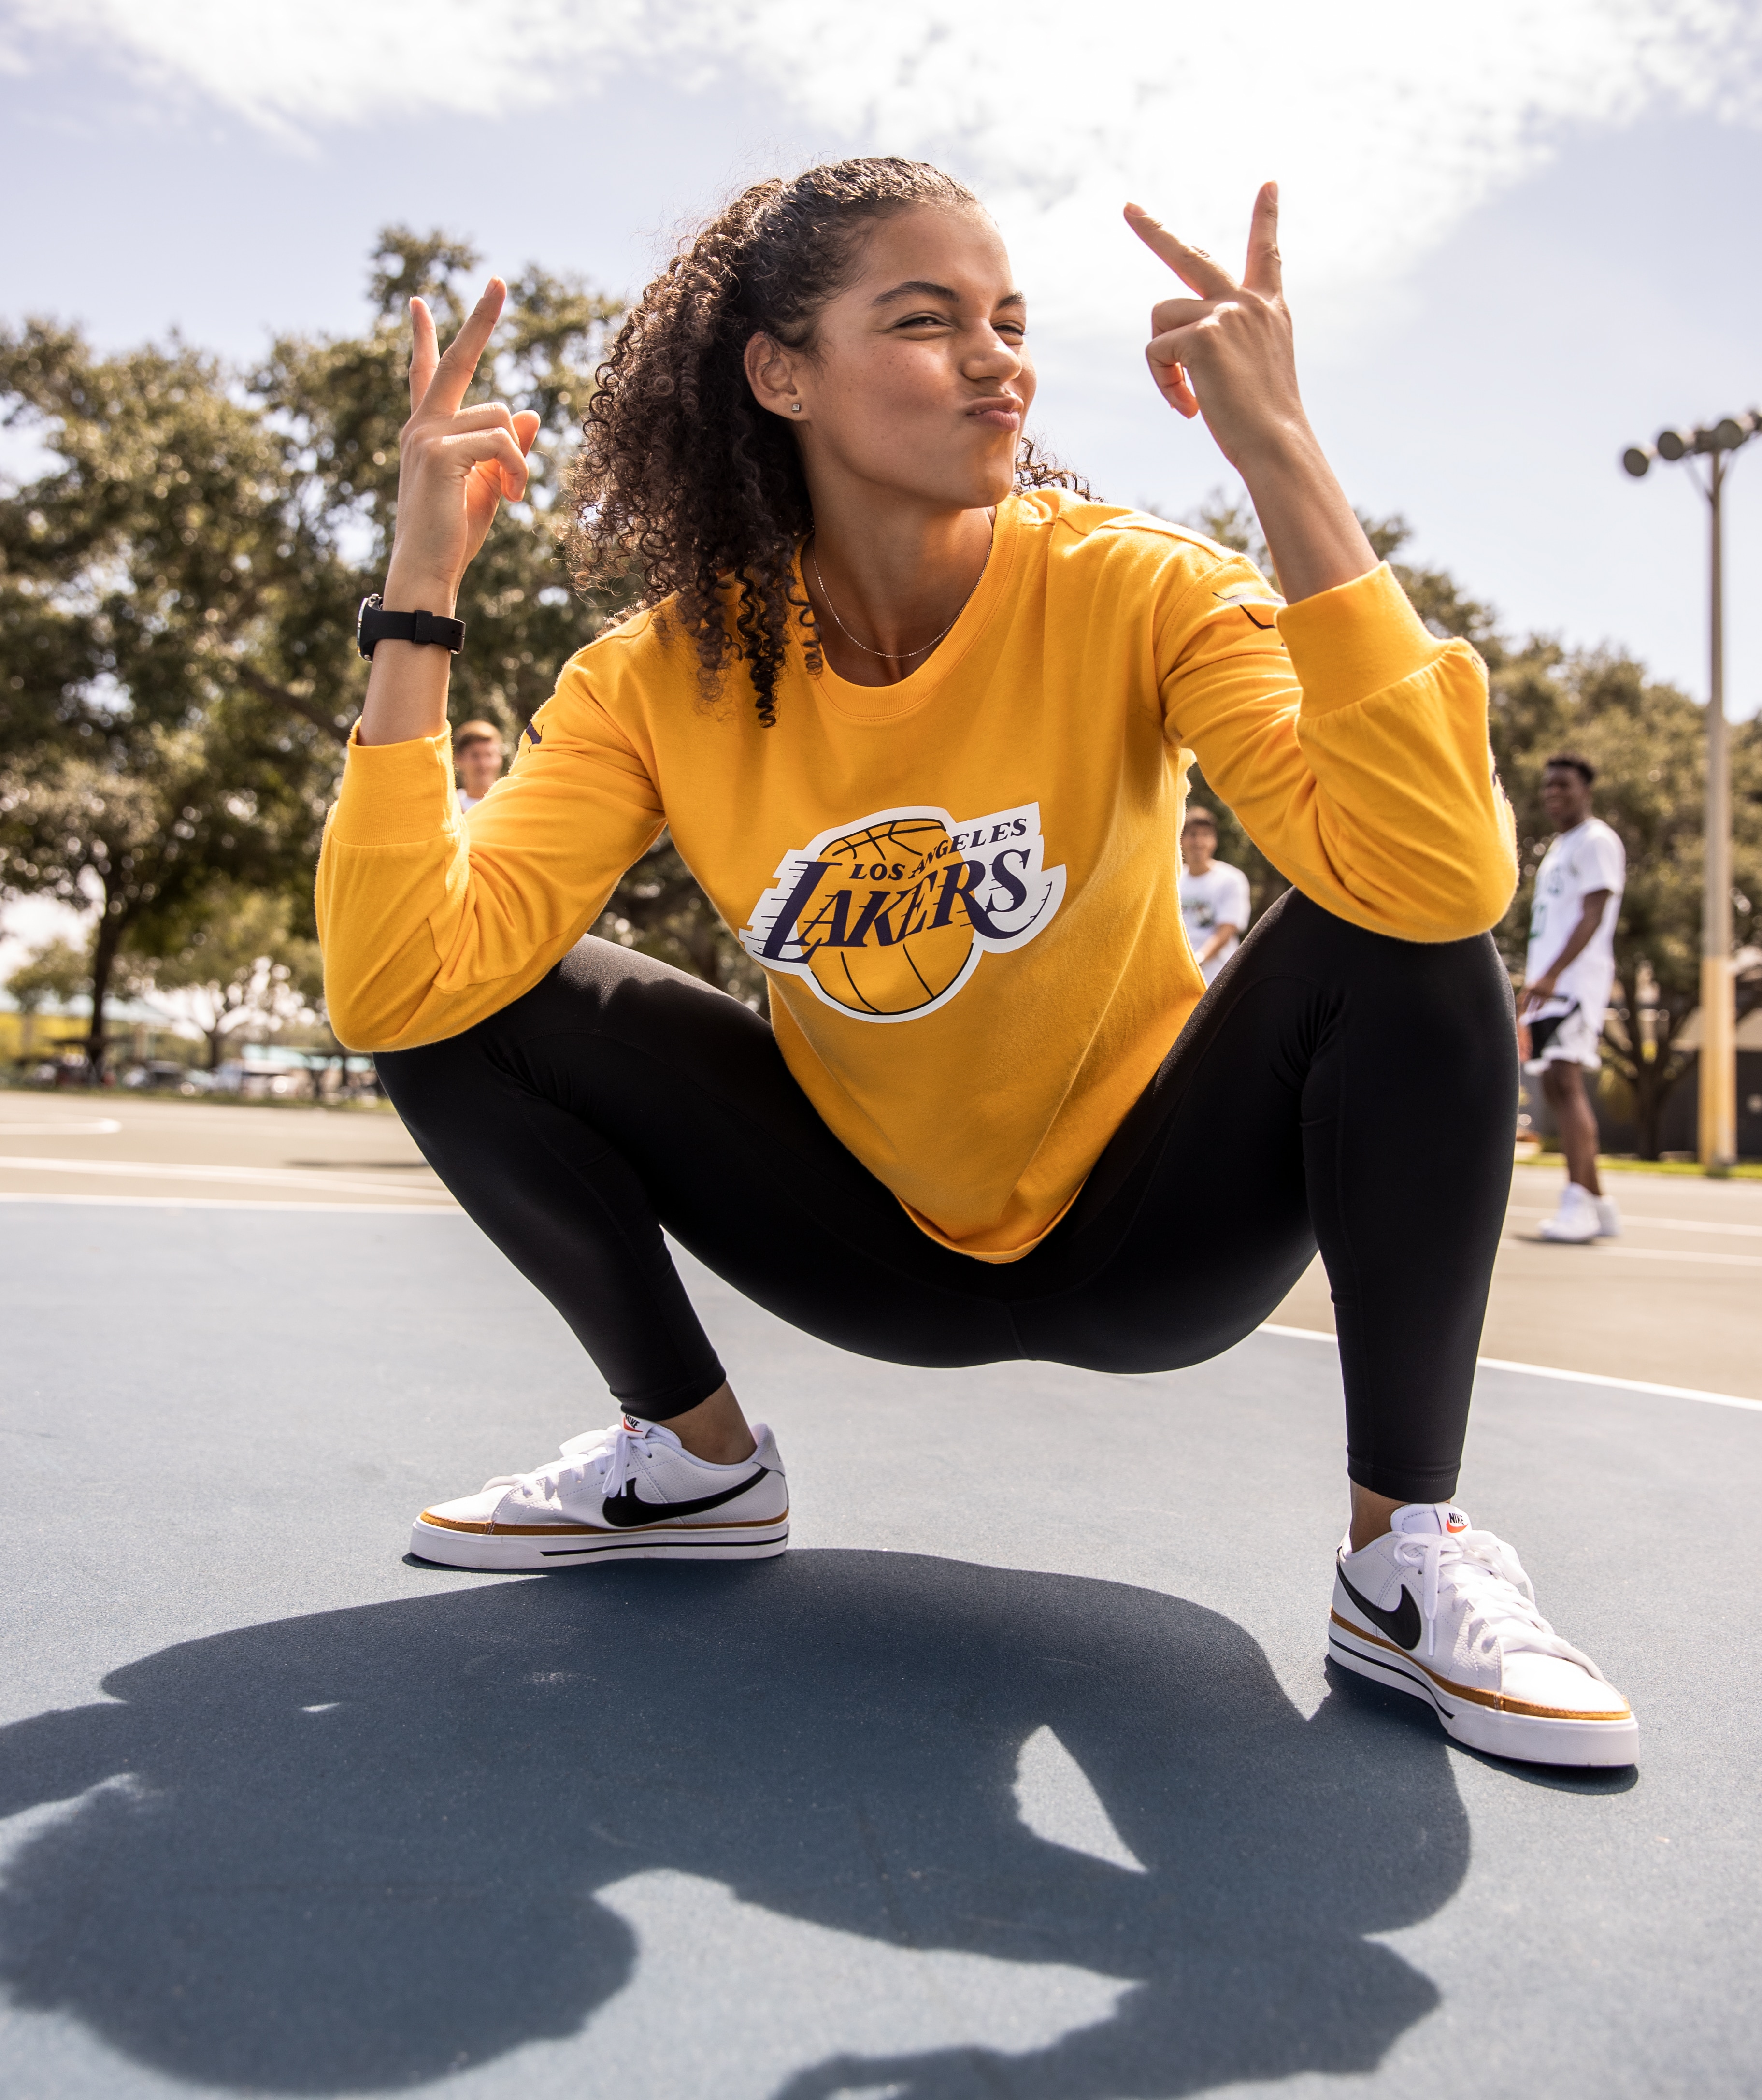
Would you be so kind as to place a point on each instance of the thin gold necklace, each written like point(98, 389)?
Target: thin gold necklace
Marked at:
point(900, 655)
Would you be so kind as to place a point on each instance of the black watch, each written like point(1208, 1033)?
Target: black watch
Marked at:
point(374, 624)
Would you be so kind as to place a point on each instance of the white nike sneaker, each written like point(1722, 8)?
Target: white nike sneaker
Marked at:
point(1608, 1218)
point(1576, 1221)
point(1445, 1613)
point(631, 1493)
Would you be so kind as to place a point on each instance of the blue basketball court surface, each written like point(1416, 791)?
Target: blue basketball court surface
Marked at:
point(1020, 1775)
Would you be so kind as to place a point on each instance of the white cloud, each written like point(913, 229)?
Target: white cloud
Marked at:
point(1386, 121)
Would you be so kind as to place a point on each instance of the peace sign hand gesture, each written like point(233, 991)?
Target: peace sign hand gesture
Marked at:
point(1227, 354)
point(455, 465)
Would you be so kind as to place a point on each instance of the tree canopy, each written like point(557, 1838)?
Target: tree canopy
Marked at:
point(178, 594)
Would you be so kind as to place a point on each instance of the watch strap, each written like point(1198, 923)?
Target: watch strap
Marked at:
point(375, 625)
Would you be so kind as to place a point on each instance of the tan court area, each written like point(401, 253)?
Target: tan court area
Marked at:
point(1677, 1299)
point(73, 1148)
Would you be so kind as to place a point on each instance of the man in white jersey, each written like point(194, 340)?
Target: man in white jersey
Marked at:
point(1568, 976)
point(1214, 901)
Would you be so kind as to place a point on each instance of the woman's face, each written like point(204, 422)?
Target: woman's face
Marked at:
point(918, 381)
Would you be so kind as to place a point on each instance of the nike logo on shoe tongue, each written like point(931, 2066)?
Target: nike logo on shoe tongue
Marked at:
point(1434, 1517)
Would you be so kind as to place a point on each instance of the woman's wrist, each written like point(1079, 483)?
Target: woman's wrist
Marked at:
point(407, 684)
point(409, 589)
point(1283, 446)
point(1312, 531)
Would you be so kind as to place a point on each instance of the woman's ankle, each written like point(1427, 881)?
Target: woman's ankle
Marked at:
point(1370, 1516)
point(715, 1430)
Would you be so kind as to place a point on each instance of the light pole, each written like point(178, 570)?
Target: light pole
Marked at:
point(1718, 1120)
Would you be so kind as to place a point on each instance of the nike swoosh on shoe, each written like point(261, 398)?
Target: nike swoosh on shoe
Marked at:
point(1403, 1624)
point(625, 1509)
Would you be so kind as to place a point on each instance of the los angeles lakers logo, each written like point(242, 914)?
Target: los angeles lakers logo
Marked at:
point(887, 917)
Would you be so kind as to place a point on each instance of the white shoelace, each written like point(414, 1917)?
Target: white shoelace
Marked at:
point(1486, 1573)
point(609, 1454)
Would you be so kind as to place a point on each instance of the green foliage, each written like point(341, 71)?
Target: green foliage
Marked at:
point(178, 596)
point(234, 955)
point(339, 404)
point(152, 736)
point(139, 819)
point(50, 976)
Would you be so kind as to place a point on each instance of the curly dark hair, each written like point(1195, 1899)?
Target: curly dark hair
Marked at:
point(683, 477)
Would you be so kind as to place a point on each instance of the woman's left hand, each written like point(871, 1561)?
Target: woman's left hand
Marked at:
point(1227, 354)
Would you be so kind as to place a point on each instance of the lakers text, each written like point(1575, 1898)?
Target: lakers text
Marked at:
point(888, 917)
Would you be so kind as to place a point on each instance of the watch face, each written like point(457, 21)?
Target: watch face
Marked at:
point(366, 605)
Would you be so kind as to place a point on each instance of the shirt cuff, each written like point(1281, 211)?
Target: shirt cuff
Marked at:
point(396, 794)
point(1358, 639)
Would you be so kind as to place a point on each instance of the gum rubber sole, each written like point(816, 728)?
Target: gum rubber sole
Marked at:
point(1526, 1738)
point(500, 1552)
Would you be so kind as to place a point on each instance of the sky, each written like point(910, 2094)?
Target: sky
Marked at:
point(1518, 236)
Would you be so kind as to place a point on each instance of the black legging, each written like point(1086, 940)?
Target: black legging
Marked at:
point(1333, 1087)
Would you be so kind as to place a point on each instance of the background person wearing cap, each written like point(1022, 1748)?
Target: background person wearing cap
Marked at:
point(1214, 899)
point(477, 760)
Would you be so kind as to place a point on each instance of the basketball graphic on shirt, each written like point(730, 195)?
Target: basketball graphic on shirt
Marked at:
point(904, 973)
point(887, 917)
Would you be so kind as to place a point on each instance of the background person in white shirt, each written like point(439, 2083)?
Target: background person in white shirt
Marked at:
point(477, 760)
point(1568, 975)
point(1214, 903)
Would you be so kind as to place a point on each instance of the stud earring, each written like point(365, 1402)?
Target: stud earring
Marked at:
point(794, 407)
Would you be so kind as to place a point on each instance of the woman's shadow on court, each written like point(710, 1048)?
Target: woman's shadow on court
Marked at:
point(361, 1849)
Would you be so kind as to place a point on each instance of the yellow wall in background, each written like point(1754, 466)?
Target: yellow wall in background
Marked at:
point(51, 1030)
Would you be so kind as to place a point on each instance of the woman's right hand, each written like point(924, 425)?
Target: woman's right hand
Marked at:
point(455, 465)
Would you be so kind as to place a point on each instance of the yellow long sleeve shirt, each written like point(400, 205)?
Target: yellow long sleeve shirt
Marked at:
point(963, 886)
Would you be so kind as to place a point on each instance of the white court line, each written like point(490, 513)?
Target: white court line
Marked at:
point(1667, 1224)
point(446, 1210)
point(1550, 1372)
point(97, 1127)
point(1603, 1251)
point(156, 1169)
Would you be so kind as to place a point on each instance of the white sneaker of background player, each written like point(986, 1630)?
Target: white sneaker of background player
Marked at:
point(1445, 1613)
point(630, 1492)
point(1608, 1218)
point(1576, 1221)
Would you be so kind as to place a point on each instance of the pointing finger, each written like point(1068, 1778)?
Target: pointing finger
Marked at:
point(1192, 266)
point(452, 375)
point(424, 355)
point(1263, 274)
